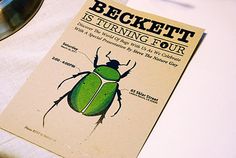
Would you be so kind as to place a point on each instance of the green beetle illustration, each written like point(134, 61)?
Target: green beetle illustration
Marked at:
point(95, 92)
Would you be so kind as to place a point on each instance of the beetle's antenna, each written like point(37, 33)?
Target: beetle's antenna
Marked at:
point(108, 56)
point(125, 64)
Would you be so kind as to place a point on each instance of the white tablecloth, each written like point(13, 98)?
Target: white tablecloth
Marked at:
point(199, 120)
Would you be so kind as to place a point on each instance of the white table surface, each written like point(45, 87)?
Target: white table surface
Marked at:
point(199, 120)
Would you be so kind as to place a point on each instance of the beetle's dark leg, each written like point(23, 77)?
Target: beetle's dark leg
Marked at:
point(99, 122)
point(55, 103)
point(101, 118)
point(73, 76)
point(128, 71)
point(96, 59)
point(119, 100)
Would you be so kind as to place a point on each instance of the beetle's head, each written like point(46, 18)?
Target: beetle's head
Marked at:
point(113, 64)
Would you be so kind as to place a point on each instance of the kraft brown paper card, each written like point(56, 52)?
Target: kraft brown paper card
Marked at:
point(100, 90)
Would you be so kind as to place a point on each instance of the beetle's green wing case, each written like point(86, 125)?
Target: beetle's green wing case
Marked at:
point(84, 91)
point(103, 99)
